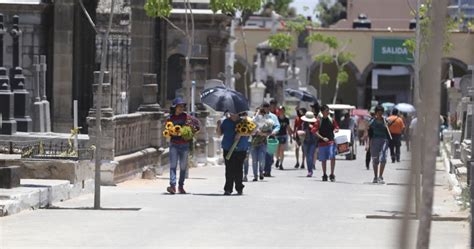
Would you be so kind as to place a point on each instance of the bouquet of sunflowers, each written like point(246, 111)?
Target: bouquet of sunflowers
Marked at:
point(244, 128)
point(186, 131)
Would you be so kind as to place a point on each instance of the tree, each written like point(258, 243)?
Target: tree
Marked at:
point(329, 13)
point(281, 7)
point(162, 9)
point(334, 53)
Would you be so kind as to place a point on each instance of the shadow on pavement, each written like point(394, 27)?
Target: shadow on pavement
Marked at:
point(92, 209)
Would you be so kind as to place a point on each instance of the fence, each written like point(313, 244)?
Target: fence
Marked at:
point(40, 149)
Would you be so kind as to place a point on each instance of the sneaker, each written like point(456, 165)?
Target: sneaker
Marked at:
point(255, 179)
point(332, 178)
point(393, 160)
point(325, 178)
point(262, 176)
point(302, 166)
point(241, 192)
point(277, 164)
point(181, 190)
point(309, 174)
point(381, 181)
point(245, 179)
point(227, 193)
point(281, 166)
point(171, 190)
point(376, 180)
point(297, 165)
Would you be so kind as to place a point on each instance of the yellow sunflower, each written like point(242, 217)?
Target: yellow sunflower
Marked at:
point(177, 129)
point(244, 130)
point(169, 125)
point(166, 133)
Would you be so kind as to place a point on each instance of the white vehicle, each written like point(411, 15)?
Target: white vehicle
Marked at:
point(345, 140)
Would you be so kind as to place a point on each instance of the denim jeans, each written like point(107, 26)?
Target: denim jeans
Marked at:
point(246, 165)
point(268, 163)
point(178, 152)
point(258, 159)
point(309, 149)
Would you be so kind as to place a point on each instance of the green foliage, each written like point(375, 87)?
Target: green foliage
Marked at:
point(425, 32)
point(345, 57)
point(329, 12)
point(158, 8)
point(230, 6)
point(281, 7)
point(281, 41)
point(324, 79)
point(330, 41)
point(162, 8)
point(298, 25)
point(342, 76)
point(324, 58)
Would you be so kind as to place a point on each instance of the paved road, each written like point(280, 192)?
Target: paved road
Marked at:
point(288, 210)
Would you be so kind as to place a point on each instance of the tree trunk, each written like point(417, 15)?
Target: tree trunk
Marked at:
point(430, 110)
point(336, 93)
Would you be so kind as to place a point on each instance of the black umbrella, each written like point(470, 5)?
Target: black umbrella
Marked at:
point(224, 99)
point(301, 95)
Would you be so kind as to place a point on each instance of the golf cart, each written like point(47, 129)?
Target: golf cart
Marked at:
point(345, 138)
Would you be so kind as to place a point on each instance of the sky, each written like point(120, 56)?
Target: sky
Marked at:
point(299, 4)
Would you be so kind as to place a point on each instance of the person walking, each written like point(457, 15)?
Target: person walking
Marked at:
point(309, 142)
point(325, 128)
point(379, 136)
point(282, 136)
point(234, 164)
point(268, 112)
point(362, 127)
point(179, 147)
point(298, 130)
point(396, 126)
point(266, 126)
point(367, 144)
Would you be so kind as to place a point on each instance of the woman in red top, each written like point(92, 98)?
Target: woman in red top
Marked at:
point(298, 126)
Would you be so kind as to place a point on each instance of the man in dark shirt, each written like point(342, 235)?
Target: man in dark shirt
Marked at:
point(325, 128)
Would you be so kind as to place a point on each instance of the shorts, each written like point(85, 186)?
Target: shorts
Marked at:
point(327, 152)
point(282, 139)
point(378, 149)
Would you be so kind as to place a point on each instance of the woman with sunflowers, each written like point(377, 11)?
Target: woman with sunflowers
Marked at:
point(235, 144)
point(180, 129)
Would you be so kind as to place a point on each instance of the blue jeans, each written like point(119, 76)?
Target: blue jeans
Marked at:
point(178, 152)
point(309, 149)
point(258, 159)
point(268, 163)
point(246, 165)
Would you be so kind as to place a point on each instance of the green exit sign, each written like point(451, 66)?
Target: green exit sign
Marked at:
point(390, 50)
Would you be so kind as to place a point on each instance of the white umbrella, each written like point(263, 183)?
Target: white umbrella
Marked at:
point(404, 107)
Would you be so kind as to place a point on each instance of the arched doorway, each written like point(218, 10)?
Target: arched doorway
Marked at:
point(387, 83)
point(347, 91)
point(175, 75)
point(451, 69)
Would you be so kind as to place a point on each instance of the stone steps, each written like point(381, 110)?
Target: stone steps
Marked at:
point(35, 193)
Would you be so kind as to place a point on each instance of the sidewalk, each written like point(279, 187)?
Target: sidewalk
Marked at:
point(37, 193)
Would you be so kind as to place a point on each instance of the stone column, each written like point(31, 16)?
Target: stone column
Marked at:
point(201, 152)
point(8, 125)
point(217, 48)
point(149, 94)
point(108, 122)
point(63, 41)
point(44, 100)
point(142, 50)
point(38, 109)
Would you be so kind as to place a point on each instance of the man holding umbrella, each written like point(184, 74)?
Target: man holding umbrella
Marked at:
point(234, 163)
